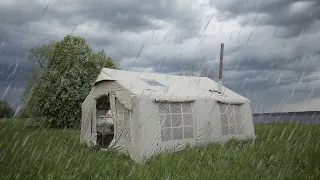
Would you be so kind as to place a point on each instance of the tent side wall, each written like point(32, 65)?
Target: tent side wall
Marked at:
point(249, 125)
point(149, 131)
point(206, 123)
point(135, 131)
point(153, 132)
point(86, 110)
point(208, 126)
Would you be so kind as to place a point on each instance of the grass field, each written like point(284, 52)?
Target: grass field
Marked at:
point(281, 151)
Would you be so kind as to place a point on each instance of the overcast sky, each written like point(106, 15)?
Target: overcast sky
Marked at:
point(272, 47)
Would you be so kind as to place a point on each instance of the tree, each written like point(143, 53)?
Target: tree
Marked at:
point(65, 82)
point(6, 111)
point(21, 113)
point(41, 54)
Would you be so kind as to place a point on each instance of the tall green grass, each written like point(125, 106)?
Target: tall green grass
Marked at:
point(281, 151)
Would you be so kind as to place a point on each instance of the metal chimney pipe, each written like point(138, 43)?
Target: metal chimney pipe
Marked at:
point(220, 69)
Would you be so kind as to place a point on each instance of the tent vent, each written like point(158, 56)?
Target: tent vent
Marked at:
point(152, 82)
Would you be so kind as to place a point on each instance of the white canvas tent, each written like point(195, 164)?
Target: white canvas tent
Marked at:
point(153, 113)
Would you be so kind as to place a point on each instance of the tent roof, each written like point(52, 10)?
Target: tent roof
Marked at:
point(167, 87)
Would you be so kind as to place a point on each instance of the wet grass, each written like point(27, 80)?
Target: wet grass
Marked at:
point(281, 151)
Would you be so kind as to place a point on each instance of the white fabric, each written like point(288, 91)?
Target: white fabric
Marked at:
point(193, 117)
point(171, 87)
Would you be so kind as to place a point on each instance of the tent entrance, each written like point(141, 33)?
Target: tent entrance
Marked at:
point(105, 125)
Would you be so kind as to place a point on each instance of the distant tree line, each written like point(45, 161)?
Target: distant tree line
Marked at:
point(288, 113)
point(6, 111)
point(67, 70)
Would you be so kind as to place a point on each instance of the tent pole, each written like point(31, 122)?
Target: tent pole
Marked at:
point(220, 68)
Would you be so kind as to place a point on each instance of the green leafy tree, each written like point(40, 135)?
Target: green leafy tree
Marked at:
point(65, 82)
point(6, 111)
point(41, 54)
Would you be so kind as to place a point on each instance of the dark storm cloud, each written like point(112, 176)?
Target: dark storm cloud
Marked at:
point(32, 23)
point(27, 24)
point(264, 75)
point(14, 70)
point(261, 71)
point(135, 16)
point(294, 15)
point(253, 62)
point(24, 25)
point(13, 75)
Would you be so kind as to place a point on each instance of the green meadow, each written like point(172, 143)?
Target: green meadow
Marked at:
point(281, 151)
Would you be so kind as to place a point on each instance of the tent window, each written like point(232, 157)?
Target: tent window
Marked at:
point(176, 121)
point(231, 119)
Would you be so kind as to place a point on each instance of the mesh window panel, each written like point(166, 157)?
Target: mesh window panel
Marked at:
point(176, 120)
point(187, 120)
point(223, 108)
point(166, 134)
point(177, 133)
point(231, 119)
point(164, 108)
point(175, 108)
point(224, 119)
point(230, 109)
point(233, 129)
point(165, 121)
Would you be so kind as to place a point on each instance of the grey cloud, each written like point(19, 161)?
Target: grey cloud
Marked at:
point(13, 77)
point(253, 69)
point(26, 24)
point(260, 71)
point(294, 15)
point(12, 93)
point(135, 16)
point(14, 70)
point(20, 25)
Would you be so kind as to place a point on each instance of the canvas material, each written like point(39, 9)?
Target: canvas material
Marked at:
point(145, 129)
point(207, 127)
point(125, 99)
point(172, 87)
